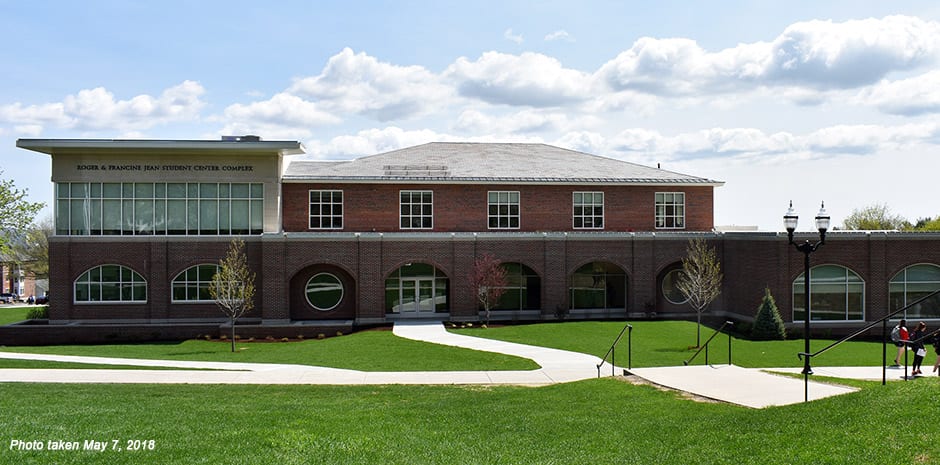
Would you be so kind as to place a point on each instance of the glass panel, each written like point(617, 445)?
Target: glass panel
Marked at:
point(143, 216)
point(239, 216)
point(324, 291)
point(192, 216)
point(143, 190)
point(96, 190)
point(257, 220)
point(208, 217)
point(127, 190)
point(62, 217)
point(224, 223)
point(159, 190)
point(176, 217)
point(110, 292)
point(159, 216)
point(257, 191)
point(111, 190)
point(176, 190)
point(78, 220)
point(79, 190)
point(239, 190)
point(208, 190)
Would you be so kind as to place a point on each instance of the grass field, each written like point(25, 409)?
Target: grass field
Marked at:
point(366, 351)
point(601, 421)
point(10, 314)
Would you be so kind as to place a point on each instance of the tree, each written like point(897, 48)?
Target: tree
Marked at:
point(488, 282)
point(873, 218)
point(700, 280)
point(31, 250)
point(17, 213)
point(927, 224)
point(233, 286)
point(768, 325)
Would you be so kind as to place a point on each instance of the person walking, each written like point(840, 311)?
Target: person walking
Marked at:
point(899, 337)
point(917, 345)
point(936, 349)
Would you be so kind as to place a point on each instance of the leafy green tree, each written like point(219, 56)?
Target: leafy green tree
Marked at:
point(233, 286)
point(17, 212)
point(874, 218)
point(31, 250)
point(768, 325)
point(700, 280)
point(927, 224)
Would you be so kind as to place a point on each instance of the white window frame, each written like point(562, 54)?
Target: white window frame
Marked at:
point(411, 204)
point(593, 205)
point(319, 215)
point(509, 204)
point(668, 221)
point(187, 283)
point(120, 282)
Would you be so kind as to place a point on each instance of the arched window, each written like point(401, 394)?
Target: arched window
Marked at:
point(416, 289)
point(913, 283)
point(598, 285)
point(192, 284)
point(523, 289)
point(110, 283)
point(324, 291)
point(836, 293)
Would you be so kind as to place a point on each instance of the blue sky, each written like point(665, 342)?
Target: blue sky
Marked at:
point(781, 100)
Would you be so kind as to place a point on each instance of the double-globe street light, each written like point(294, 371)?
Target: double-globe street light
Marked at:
point(790, 220)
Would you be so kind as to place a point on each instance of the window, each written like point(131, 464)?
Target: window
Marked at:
point(326, 209)
point(110, 283)
point(143, 209)
point(670, 291)
point(588, 210)
point(523, 289)
point(503, 209)
point(911, 284)
point(417, 210)
point(192, 284)
point(599, 285)
point(324, 291)
point(836, 293)
point(670, 210)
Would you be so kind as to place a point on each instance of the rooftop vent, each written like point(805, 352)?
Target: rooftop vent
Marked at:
point(416, 170)
point(246, 138)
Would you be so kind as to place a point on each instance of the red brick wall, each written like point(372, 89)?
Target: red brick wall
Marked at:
point(463, 207)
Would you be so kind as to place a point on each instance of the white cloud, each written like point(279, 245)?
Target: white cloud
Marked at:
point(282, 116)
point(813, 55)
point(508, 35)
point(361, 84)
point(909, 97)
point(530, 79)
point(96, 109)
point(526, 121)
point(560, 34)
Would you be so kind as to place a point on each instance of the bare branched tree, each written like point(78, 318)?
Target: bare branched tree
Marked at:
point(700, 280)
point(488, 281)
point(233, 286)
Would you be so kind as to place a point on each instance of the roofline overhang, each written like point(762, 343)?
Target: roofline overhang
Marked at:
point(54, 146)
point(513, 181)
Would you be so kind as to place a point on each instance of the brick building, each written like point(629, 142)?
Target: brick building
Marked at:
point(140, 226)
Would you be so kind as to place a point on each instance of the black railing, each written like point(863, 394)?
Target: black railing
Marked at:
point(884, 342)
point(705, 346)
point(612, 351)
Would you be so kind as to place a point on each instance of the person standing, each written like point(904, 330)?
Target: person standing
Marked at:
point(899, 336)
point(917, 345)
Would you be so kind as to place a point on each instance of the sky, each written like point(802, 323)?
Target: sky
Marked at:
point(809, 101)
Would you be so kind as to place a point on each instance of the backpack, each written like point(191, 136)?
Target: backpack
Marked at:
point(896, 334)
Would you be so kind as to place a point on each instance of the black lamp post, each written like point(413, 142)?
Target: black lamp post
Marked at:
point(790, 221)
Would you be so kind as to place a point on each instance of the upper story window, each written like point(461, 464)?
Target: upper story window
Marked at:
point(326, 210)
point(192, 284)
point(147, 208)
point(588, 210)
point(110, 283)
point(416, 209)
point(670, 210)
point(502, 209)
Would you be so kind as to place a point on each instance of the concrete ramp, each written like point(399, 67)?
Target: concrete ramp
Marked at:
point(749, 387)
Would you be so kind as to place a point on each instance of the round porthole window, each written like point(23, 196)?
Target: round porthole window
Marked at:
point(324, 291)
point(670, 291)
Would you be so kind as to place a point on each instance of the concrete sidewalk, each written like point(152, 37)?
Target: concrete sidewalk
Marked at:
point(557, 366)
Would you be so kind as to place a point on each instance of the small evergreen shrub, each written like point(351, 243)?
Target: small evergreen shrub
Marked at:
point(38, 313)
point(768, 325)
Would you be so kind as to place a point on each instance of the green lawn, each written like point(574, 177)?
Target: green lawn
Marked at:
point(366, 351)
point(12, 314)
point(601, 421)
point(666, 343)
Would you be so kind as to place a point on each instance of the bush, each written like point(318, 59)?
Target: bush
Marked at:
point(38, 313)
point(768, 325)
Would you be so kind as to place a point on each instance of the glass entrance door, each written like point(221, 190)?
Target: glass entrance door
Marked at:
point(417, 296)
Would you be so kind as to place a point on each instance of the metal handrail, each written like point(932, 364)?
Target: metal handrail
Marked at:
point(705, 346)
point(884, 341)
point(613, 355)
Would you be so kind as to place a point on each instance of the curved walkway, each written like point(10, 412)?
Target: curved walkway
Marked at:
point(558, 366)
point(743, 386)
